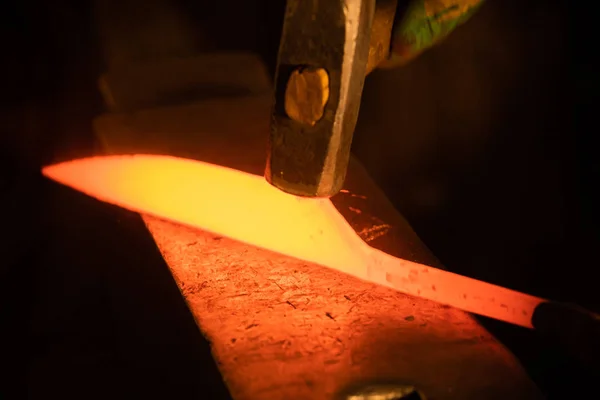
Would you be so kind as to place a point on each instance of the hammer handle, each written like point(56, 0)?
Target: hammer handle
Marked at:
point(574, 328)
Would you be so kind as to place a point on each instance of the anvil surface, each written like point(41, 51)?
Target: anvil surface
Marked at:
point(284, 329)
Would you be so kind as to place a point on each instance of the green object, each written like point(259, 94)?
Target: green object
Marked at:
point(425, 23)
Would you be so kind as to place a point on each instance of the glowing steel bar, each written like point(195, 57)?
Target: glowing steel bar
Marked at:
point(246, 208)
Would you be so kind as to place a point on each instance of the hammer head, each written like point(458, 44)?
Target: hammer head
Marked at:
point(321, 69)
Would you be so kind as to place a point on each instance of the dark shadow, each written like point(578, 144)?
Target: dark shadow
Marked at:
point(90, 310)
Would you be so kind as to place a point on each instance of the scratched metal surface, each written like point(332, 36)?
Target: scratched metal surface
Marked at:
point(283, 329)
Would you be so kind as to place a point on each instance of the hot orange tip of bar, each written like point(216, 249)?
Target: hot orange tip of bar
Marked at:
point(220, 200)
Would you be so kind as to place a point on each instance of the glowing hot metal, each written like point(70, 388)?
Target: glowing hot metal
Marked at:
point(246, 208)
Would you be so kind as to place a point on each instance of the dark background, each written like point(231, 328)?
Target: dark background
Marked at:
point(485, 144)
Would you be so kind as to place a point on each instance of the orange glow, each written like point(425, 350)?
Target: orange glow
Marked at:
point(246, 208)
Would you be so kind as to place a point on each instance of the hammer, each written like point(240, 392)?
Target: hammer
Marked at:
point(326, 50)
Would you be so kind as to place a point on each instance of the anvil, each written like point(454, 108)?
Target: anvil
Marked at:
point(282, 328)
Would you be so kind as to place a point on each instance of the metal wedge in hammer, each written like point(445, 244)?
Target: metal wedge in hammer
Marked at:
point(326, 50)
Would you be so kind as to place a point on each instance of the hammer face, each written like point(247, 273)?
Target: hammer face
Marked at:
point(308, 155)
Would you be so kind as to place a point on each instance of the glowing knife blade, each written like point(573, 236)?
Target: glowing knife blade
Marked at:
point(246, 208)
